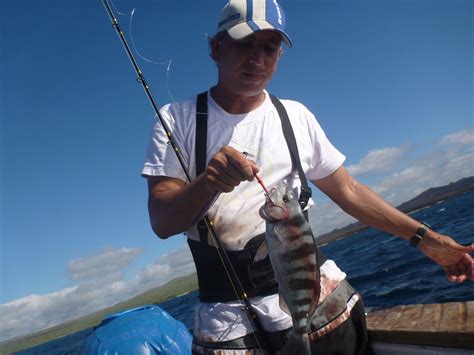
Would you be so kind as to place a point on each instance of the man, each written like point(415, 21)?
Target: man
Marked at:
point(240, 117)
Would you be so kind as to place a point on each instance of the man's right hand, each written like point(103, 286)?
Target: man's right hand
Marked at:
point(174, 205)
point(227, 169)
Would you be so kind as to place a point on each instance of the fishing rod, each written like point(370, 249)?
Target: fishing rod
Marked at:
point(229, 269)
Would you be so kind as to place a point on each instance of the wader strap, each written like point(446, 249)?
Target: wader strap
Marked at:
point(295, 157)
point(256, 278)
point(200, 150)
point(306, 192)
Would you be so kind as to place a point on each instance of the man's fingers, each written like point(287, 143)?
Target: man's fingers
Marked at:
point(217, 184)
point(469, 264)
point(463, 269)
point(238, 165)
point(452, 272)
point(220, 180)
point(464, 272)
point(228, 168)
point(247, 168)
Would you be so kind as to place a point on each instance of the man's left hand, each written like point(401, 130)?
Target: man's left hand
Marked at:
point(454, 258)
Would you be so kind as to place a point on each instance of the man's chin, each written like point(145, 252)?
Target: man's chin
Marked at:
point(253, 87)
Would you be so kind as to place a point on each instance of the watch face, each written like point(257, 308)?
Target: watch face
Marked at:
point(415, 240)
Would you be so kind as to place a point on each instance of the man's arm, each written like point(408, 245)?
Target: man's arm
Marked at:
point(174, 206)
point(369, 208)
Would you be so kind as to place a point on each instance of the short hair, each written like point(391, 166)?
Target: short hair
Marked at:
point(220, 36)
point(217, 37)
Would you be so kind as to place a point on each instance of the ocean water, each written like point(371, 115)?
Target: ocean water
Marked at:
point(385, 270)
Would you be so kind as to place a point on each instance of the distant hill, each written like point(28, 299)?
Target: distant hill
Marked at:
point(436, 194)
point(156, 295)
point(189, 283)
point(424, 199)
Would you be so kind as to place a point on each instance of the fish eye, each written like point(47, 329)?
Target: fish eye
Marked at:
point(285, 198)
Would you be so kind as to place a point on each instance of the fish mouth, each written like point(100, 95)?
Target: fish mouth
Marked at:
point(266, 215)
point(263, 213)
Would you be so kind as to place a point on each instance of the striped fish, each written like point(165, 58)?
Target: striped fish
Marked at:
point(292, 250)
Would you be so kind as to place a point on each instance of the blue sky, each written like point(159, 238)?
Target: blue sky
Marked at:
point(390, 81)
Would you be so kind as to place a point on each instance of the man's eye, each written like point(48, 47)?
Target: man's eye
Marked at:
point(270, 49)
point(244, 44)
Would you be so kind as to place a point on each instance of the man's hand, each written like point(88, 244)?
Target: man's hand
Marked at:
point(454, 258)
point(227, 169)
point(362, 203)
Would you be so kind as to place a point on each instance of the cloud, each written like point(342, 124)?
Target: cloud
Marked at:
point(379, 160)
point(97, 266)
point(430, 170)
point(101, 284)
point(28, 311)
point(177, 263)
point(100, 278)
point(450, 159)
point(461, 137)
point(325, 217)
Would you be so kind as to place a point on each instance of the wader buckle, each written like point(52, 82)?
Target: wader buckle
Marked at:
point(305, 194)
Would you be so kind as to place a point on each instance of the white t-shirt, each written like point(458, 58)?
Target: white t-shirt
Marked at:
point(235, 215)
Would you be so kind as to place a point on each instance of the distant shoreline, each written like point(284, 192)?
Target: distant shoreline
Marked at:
point(183, 285)
point(425, 199)
point(177, 286)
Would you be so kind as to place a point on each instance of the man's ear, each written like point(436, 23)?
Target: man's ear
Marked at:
point(215, 50)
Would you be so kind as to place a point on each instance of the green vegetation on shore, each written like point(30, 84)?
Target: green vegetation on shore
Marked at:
point(159, 294)
point(189, 283)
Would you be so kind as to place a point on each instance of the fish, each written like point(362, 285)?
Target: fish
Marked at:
point(290, 244)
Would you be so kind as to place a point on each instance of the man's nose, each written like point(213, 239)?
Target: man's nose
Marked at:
point(257, 55)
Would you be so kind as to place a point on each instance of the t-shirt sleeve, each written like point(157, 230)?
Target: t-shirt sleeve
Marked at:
point(329, 158)
point(325, 158)
point(161, 159)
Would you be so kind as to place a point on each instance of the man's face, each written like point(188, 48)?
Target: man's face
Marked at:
point(247, 65)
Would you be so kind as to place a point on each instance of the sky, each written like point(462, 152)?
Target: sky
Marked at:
point(390, 82)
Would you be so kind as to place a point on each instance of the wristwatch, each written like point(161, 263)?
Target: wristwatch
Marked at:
point(419, 234)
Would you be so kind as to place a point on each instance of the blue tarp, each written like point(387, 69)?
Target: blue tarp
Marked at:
point(144, 330)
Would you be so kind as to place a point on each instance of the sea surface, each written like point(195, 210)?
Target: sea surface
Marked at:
point(387, 271)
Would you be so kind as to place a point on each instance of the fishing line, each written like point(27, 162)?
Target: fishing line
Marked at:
point(117, 11)
point(167, 63)
point(135, 48)
point(240, 293)
point(133, 42)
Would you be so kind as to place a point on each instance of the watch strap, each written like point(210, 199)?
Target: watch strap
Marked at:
point(419, 234)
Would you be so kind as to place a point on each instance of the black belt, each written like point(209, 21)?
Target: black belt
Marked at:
point(257, 279)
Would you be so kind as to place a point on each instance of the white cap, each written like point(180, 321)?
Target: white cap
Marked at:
point(243, 17)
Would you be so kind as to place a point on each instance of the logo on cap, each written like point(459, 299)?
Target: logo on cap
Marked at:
point(229, 18)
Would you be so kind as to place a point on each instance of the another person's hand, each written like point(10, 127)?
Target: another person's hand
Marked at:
point(227, 169)
point(454, 258)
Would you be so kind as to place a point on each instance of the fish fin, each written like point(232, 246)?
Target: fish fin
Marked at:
point(262, 252)
point(315, 299)
point(279, 233)
point(297, 344)
point(283, 305)
point(317, 288)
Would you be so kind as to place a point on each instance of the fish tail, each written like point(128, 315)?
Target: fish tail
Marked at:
point(297, 344)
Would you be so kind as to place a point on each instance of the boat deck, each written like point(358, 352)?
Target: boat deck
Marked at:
point(444, 325)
